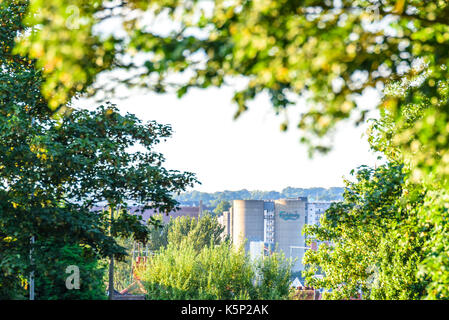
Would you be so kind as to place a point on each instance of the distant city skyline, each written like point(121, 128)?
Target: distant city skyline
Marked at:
point(250, 152)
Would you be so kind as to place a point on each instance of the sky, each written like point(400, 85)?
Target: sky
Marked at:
point(250, 152)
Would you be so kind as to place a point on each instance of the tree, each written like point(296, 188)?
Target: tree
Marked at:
point(51, 282)
point(200, 232)
point(222, 206)
point(329, 52)
point(53, 171)
point(410, 135)
point(158, 237)
point(411, 253)
point(373, 241)
point(82, 161)
point(212, 199)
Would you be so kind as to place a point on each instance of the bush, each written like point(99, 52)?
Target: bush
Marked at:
point(221, 271)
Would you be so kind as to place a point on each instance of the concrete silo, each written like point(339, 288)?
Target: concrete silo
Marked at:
point(231, 222)
point(226, 221)
point(290, 217)
point(247, 221)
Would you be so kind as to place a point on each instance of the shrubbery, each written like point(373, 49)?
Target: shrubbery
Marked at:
point(180, 271)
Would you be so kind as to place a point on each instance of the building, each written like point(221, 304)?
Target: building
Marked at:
point(183, 211)
point(225, 221)
point(261, 225)
point(265, 226)
point(315, 210)
point(247, 222)
point(289, 219)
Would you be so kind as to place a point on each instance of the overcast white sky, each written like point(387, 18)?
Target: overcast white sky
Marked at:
point(250, 152)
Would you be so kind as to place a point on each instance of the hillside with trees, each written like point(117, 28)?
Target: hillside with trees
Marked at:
point(212, 199)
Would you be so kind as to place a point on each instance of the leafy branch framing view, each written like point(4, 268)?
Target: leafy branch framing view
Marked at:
point(57, 162)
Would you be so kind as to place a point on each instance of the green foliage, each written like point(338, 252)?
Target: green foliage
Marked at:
point(50, 282)
point(410, 261)
point(373, 241)
point(158, 235)
point(273, 276)
point(434, 216)
point(200, 232)
point(328, 52)
point(180, 271)
point(211, 199)
point(415, 134)
point(122, 268)
point(102, 165)
point(53, 170)
point(221, 207)
point(197, 263)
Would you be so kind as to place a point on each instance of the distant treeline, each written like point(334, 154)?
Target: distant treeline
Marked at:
point(211, 199)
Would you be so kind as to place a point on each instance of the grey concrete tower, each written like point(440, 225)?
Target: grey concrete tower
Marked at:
point(290, 217)
point(247, 221)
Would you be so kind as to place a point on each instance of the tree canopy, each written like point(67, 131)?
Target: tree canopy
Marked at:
point(329, 52)
point(373, 241)
point(213, 199)
point(53, 171)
